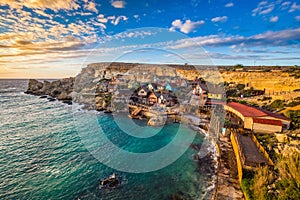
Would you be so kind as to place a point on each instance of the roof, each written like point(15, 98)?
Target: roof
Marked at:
point(275, 115)
point(249, 111)
point(267, 121)
point(246, 111)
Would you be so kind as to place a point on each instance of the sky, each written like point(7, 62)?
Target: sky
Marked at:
point(56, 38)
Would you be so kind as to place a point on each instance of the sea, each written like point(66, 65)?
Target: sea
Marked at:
point(45, 154)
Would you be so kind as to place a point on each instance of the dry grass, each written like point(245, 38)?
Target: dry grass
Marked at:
point(285, 179)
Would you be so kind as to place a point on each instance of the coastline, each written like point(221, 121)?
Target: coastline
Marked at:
point(208, 164)
point(44, 90)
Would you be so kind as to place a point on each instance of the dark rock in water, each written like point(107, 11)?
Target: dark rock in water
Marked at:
point(69, 102)
point(110, 182)
point(100, 109)
point(43, 97)
point(51, 99)
point(197, 147)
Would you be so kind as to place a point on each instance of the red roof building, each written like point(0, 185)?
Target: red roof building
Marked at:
point(257, 119)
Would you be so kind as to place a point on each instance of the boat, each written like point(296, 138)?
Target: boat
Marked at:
point(111, 182)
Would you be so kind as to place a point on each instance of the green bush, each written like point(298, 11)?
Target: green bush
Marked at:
point(277, 104)
point(294, 115)
point(246, 185)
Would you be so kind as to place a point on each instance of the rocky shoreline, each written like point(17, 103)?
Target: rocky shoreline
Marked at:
point(58, 89)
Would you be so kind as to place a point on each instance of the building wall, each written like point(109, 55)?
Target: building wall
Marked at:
point(234, 112)
point(266, 128)
point(285, 122)
point(248, 121)
point(214, 96)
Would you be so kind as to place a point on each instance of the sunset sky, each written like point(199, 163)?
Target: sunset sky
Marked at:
point(56, 38)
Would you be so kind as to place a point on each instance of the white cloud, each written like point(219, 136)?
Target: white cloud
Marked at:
point(263, 8)
point(102, 19)
point(219, 19)
point(115, 20)
point(285, 5)
point(228, 5)
point(136, 16)
point(42, 13)
point(294, 7)
point(274, 19)
point(91, 6)
point(187, 26)
point(277, 38)
point(118, 4)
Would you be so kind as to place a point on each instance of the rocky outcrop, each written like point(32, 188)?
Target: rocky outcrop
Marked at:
point(59, 89)
point(157, 121)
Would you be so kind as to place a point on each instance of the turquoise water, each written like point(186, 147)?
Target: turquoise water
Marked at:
point(44, 157)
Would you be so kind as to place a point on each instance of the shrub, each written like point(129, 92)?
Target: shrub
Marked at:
point(277, 104)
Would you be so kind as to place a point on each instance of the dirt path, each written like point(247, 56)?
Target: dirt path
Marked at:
point(228, 186)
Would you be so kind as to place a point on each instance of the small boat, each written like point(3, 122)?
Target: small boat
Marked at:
point(111, 182)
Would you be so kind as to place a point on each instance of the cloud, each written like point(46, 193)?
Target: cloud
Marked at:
point(118, 4)
point(91, 6)
point(102, 19)
point(219, 19)
point(42, 13)
point(228, 5)
point(54, 5)
point(270, 38)
point(187, 26)
point(285, 5)
point(274, 19)
point(263, 8)
point(294, 7)
point(116, 20)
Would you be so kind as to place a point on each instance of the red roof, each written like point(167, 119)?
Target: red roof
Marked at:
point(246, 111)
point(267, 121)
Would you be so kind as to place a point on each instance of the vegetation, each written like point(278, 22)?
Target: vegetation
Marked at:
point(268, 141)
point(276, 105)
point(282, 182)
point(240, 86)
point(265, 98)
point(295, 102)
point(294, 115)
point(263, 177)
point(289, 172)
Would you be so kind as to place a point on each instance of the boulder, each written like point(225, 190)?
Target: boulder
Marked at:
point(34, 87)
point(64, 96)
point(157, 121)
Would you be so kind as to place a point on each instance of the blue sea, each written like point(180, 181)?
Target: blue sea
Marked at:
point(49, 152)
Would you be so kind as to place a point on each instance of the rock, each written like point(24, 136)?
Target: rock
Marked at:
point(64, 96)
point(157, 121)
point(46, 87)
point(34, 87)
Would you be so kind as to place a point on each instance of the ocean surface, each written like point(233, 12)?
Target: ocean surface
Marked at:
point(44, 153)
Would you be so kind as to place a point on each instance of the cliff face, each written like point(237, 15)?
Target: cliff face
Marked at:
point(272, 81)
